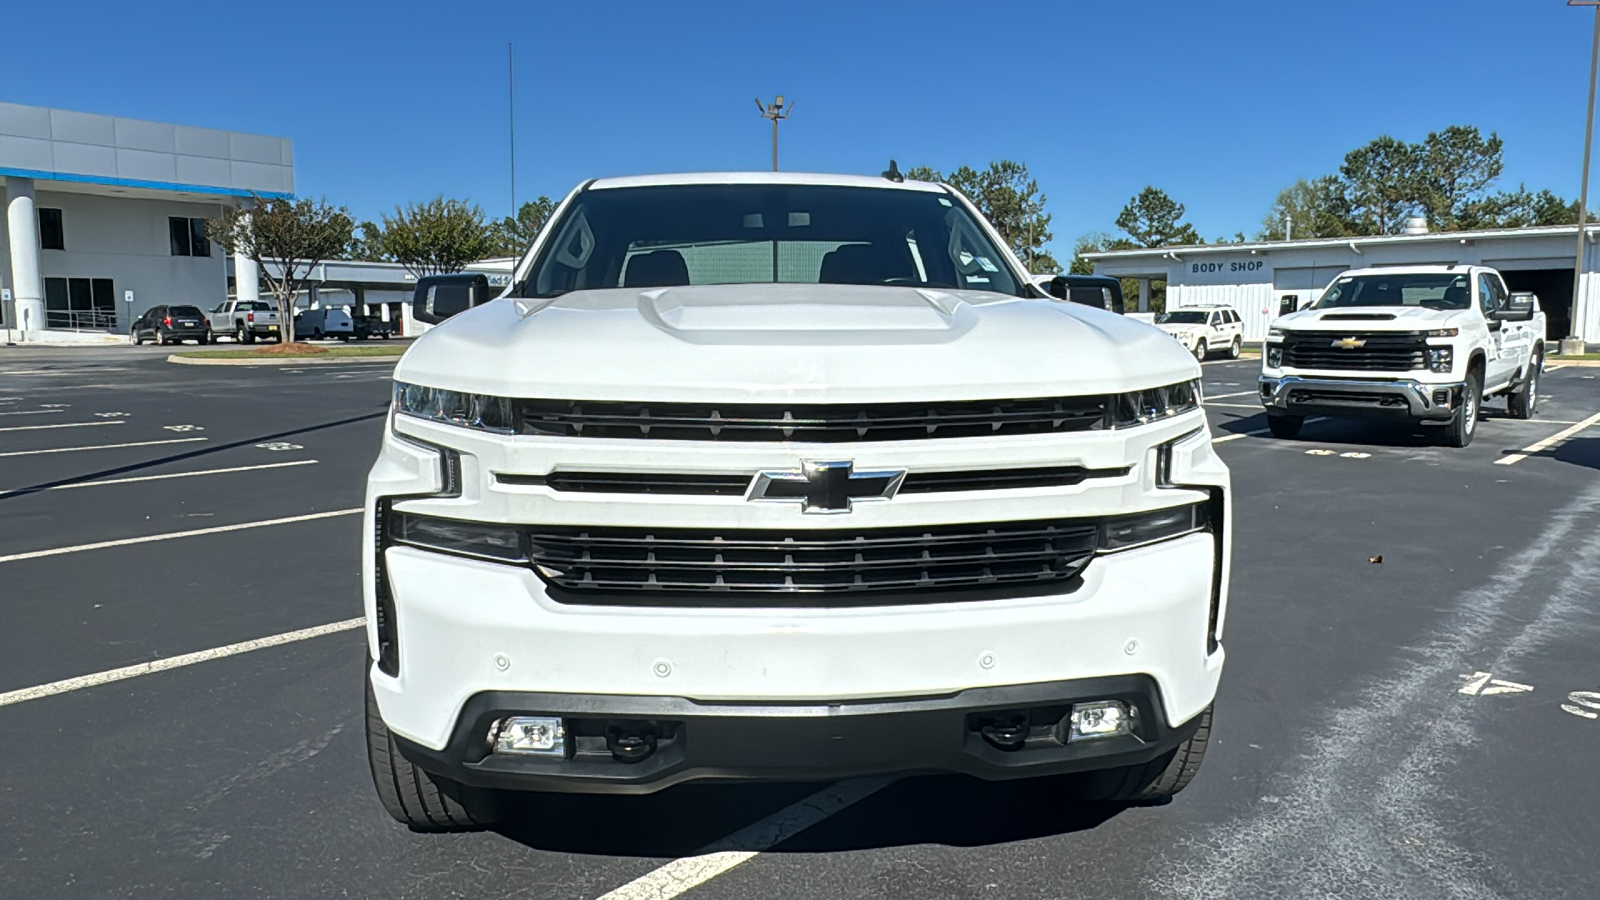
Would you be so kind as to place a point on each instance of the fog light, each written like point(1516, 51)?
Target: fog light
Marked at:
point(531, 735)
point(1102, 718)
point(1275, 357)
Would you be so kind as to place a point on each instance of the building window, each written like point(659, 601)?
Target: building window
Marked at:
point(188, 236)
point(80, 303)
point(51, 234)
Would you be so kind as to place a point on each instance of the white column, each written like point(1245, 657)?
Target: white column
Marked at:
point(22, 221)
point(1144, 295)
point(246, 276)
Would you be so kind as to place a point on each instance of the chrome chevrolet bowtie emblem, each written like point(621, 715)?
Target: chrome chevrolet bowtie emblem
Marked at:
point(1349, 343)
point(825, 487)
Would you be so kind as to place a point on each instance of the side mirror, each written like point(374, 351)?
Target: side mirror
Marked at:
point(438, 297)
point(1057, 288)
point(1519, 308)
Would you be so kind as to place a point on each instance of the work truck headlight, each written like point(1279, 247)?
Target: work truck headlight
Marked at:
point(1444, 332)
point(1154, 404)
point(1274, 334)
point(483, 540)
point(1439, 358)
point(476, 411)
point(1125, 532)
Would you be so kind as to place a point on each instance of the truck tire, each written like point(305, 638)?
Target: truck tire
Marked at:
point(1465, 422)
point(1286, 427)
point(414, 797)
point(1200, 350)
point(1235, 348)
point(1525, 399)
point(246, 336)
point(1159, 779)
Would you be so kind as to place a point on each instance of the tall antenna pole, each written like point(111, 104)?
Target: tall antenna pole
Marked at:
point(1572, 341)
point(511, 119)
point(774, 111)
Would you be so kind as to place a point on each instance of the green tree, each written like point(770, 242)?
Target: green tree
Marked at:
point(436, 237)
point(1010, 199)
point(1454, 170)
point(1520, 208)
point(1151, 219)
point(1382, 184)
point(513, 237)
point(1094, 242)
point(1309, 209)
point(366, 243)
point(286, 239)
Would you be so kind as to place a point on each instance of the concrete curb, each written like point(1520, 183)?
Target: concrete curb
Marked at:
point(1581, 363)
point(290, 361)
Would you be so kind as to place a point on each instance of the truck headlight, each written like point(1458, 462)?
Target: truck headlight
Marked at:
point(1154, 404)
point(1439, 358)
point(1127, 532)
point(1274, 334)
point(1443, 332)
point(476, 411)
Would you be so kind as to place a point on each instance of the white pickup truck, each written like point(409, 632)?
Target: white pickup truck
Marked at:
point(1425, 343)
point(245, 320)
point(772, 476)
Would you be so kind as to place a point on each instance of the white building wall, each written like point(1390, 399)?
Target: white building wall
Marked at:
point(127, 240)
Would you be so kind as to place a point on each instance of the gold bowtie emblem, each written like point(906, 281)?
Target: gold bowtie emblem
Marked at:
point(1349, 343)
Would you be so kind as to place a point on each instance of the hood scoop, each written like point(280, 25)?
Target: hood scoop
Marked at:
point(796, 308)
point(1369, 317)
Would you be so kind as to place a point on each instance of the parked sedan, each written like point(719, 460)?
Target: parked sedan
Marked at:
point(172, 325)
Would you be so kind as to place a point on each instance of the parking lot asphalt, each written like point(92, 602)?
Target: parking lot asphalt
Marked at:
point(1390, 728)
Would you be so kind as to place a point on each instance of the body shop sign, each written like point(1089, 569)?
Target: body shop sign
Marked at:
point(1210, 270)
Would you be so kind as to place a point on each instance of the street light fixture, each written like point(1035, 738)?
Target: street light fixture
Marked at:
point(1572, 343)
point(775, 111)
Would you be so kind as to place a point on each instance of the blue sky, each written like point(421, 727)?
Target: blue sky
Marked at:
point(1219, 104)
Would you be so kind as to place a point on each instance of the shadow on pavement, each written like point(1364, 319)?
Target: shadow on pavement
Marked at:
point(1579, 452)
point(949, 810)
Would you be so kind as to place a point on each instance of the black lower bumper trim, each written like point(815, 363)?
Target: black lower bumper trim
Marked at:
point(803, 741)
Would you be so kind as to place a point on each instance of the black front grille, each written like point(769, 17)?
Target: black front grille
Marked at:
point(1377, 351)
point(816, 423)
point(1348, 398)
point(597, 561)
point(735, 485)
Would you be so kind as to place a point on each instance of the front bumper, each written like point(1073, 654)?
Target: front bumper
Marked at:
point(1397, 398)
point(802, 741)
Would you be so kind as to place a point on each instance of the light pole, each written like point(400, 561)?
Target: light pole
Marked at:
point(1572, 343)
point(775, 111)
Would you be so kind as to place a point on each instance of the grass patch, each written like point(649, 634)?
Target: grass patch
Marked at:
point(1568, 357)
point(293, 351)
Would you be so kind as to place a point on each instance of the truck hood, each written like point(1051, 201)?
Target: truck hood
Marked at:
point(1372, 318)
point(818, 343)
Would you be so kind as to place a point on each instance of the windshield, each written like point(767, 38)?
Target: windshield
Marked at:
point(190, 311)
point(1434, 290)
point(645, 237)
point(1188, 317)
point(256, 306)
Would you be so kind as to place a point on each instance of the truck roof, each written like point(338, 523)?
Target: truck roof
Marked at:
point(763, 178)
point(1409, 270)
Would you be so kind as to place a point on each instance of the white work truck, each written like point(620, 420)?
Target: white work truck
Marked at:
point(245, 320)
point(1424, 343)
point(770, 476)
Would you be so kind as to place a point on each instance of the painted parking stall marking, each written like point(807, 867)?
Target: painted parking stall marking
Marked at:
point(174, 662)
point(1548, 443)
point(1483, 684)
point(57, 425)
point(174, 535)
point(279, 446)
point(1584, 704)
point(102, 446)
point(139, 478)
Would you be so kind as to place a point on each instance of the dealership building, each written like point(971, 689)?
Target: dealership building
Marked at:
point(105, 216)
point(1260, 280)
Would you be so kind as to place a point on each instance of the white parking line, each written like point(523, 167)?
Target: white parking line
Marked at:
point(174, 662)
point(681, 875)
point(58, 425)
point(32, 412)
point(84, 484)
point(103, 446)
point(1235, 405)
point(1547, 443)
point(1226, 396)
point(174, 535)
